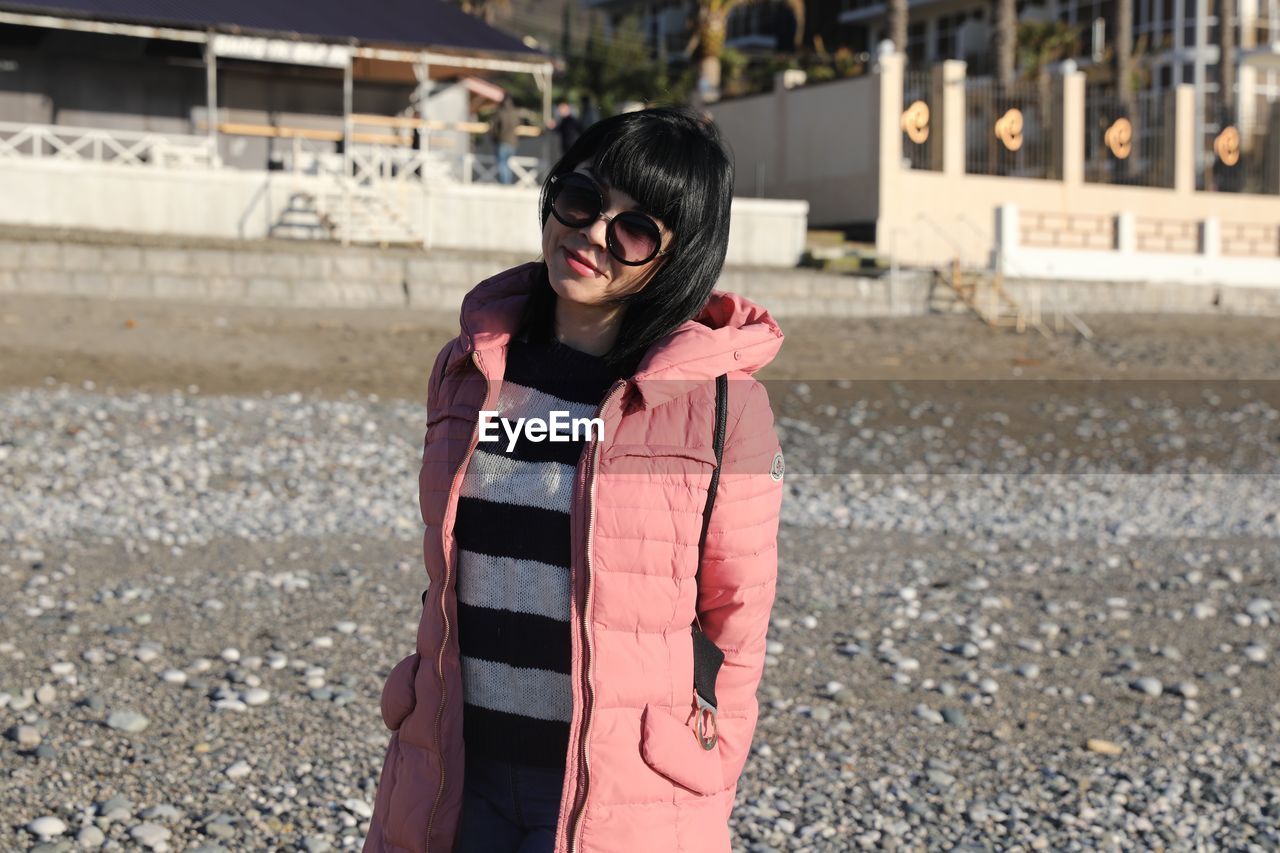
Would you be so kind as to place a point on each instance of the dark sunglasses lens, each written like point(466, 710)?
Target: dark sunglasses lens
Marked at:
point(576, 202)
point(637, 237)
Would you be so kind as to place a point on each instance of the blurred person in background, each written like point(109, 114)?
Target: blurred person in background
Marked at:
point(568, 128)
point(551, 698)
point(502, 128)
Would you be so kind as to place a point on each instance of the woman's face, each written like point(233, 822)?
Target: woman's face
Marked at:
point(579, 264)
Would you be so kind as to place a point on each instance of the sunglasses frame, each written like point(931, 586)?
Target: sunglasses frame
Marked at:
point(611, 240)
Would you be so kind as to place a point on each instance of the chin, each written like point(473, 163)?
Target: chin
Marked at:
point(569, 286)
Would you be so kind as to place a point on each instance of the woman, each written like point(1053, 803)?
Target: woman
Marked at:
point(555, 636)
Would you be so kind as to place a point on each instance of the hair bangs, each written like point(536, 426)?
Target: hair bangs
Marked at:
point(648, 167)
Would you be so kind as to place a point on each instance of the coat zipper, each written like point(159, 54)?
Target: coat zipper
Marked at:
point(444, 588)
point(586, 634)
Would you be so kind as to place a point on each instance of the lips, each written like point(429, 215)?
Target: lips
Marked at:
point(579, 263)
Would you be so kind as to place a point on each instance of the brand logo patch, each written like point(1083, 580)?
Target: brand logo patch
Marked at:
point(775, 470)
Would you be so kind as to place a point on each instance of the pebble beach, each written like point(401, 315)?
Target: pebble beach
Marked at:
point(1028, 597)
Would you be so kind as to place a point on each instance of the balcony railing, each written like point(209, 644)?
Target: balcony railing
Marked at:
point(138, 149)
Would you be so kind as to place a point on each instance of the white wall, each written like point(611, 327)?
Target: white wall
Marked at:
point(242, 204)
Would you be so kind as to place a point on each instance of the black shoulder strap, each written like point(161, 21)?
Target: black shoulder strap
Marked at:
point(722, 417)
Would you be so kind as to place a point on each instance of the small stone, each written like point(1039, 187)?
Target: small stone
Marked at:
point(1103, 747)
point(151, 835)
point(1203, 610)
point(359, 808)
point(116, 808)
point(27, 737)
point(90, 836)
point(46, 694)
point(1186, 689)
point(1256, 653)
point(953, 716)
point(239, 770)
point(163, 811)
point(127, 721)
point(929, 715)
point(47, 826)
point(1148, 685)
point(255, 696)
point(174, 676)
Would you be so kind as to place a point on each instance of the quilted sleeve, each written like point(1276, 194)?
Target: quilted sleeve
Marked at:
point(739, 571)
point(437, 374)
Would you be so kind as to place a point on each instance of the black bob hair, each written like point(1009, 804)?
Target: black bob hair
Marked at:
point(675, 165)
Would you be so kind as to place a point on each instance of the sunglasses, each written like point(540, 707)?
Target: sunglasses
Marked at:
point(632, 237)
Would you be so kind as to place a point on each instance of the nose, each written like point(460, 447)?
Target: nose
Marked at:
point(597, 232)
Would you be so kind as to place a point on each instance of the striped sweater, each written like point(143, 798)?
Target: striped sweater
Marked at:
point(513, 555)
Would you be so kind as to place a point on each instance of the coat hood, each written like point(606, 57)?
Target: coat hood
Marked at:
point(730, 333)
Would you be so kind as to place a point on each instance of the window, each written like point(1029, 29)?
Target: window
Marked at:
point(915, 42)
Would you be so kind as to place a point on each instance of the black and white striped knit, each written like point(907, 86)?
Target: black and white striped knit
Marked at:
point(514, 545)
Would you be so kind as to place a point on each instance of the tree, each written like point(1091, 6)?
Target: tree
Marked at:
point(1042, 44)
point(712, 22)
point(1006, 40)
point(1227, 57)
point(898, 24)
point(1124, 58)
point(613, 69)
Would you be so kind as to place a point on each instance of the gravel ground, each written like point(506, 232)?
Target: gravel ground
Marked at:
point(1038, 613)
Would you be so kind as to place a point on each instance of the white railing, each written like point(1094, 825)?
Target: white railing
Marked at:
point(380, 163)
point(142, 149)
point(483, 168)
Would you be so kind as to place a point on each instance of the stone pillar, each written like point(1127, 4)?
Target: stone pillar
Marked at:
point(1184, 138)
point(1126, 232)
point(889, 172)
point(947, 120)
point(891, 80)
point(1211, 237)
point(1072, 129)
point(1007, 236)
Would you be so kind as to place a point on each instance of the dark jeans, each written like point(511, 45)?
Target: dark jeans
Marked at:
point(508, 807)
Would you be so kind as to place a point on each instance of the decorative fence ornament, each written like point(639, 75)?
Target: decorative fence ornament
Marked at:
point(1119, 138)
point(1227, 146)
point(915, 122)
point(1009, 129)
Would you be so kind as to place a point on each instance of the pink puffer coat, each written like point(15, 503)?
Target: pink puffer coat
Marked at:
point(636, 776)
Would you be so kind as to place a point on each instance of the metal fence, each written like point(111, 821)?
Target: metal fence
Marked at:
point(1009, 131)
point(920, 129)
point(1239, 156)
point(1128, 140)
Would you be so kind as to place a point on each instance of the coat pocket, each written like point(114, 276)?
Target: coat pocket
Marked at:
point(398, 696)
point(671, 748)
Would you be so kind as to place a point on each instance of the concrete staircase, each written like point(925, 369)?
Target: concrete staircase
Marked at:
point(360, 215)
point(301, 220)
point(981, 292)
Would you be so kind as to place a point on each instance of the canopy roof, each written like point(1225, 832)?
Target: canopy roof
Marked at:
point(413, 24)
